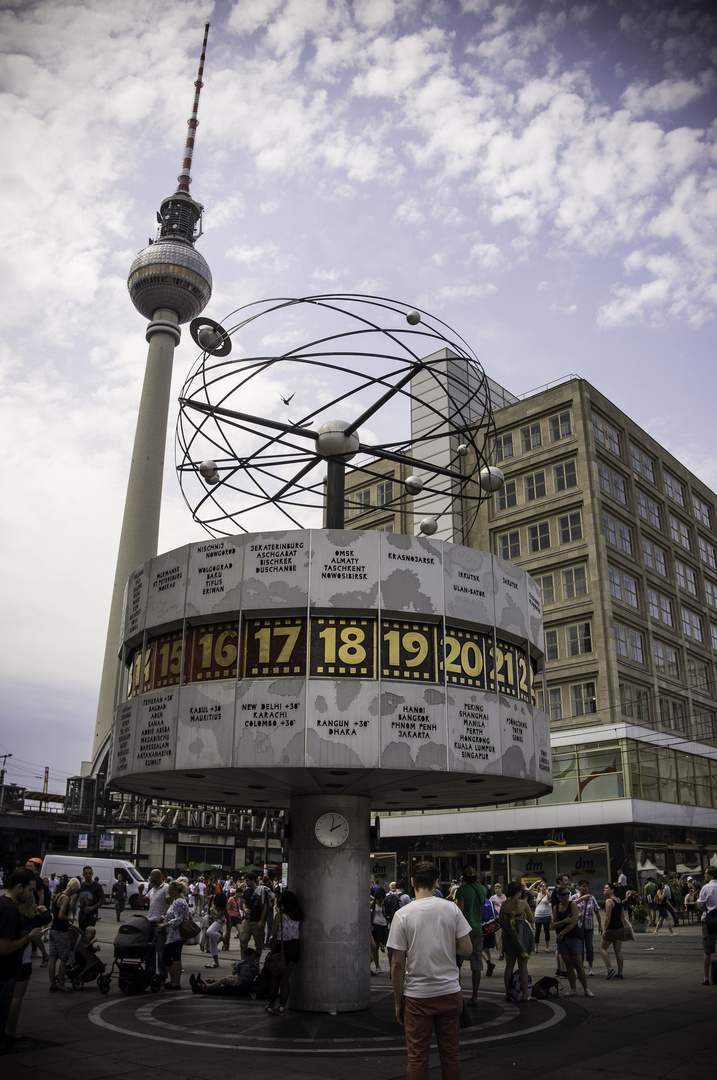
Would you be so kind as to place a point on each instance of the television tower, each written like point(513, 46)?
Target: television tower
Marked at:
point(169, 283)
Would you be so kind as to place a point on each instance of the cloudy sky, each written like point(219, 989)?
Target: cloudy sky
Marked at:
point(540, 175)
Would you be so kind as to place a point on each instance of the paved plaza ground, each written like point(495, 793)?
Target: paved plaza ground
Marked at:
point(658, 1022)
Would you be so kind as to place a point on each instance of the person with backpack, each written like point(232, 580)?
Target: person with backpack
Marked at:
point(470, 898)
point(256, 905)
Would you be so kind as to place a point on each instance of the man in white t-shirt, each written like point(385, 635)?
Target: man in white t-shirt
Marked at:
point(707, 901)
point(425, 937)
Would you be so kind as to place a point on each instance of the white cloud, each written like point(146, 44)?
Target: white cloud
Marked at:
point(666, 96)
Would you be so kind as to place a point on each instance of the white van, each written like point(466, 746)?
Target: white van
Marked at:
point(104, 869)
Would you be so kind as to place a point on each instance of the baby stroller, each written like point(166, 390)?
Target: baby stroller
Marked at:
point(132, 948)
point(84, 964)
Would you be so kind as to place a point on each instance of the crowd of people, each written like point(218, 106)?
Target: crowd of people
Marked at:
point(428, 940)
point(415, 933)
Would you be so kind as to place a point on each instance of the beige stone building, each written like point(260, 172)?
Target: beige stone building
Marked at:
point(623, 541)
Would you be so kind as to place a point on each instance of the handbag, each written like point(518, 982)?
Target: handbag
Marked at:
point(276, 962)
point(188, 930)
point(710, 921)
point(465, 1020)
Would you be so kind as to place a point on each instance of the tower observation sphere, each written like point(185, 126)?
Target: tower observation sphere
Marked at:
point(170, 274)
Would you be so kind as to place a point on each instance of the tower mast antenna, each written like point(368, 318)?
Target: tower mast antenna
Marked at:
point(184, 177)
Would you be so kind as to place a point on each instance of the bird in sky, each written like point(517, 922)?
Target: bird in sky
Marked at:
point(287, 400)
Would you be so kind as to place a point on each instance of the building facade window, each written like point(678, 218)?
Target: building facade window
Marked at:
point(609, 529)
point(666, 611)
point(674, 489)
point(636, 647)
point(579, 639)
point(713, 635)
point(624, 538)
point(384, 493)
point(555, 701)
point(708, 554)
point(654, 558)
point(560, 427)
point(605, 434)
point(691, 624)
point(535, 486)
point(565, 476)
point(701, 511)
point(672, 713)
point(539, 536)
point(615, 579)
point(680, 533)
point(634, 702)
point(648, 509)
point(710, 593)
point(630, 590)
point(698, 674)
point(620, 633)
point(509, 545)
point(547, 588)
point(551, 645)
point(503, 447)
point(666, 661)
point(506, 497)
point(570, 527)
point(531, 437)
point(641, 463)
point(703, 727)
point(574, 582)
point(582, 698)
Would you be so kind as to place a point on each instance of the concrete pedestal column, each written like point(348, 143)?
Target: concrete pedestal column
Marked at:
point(332, 884)
point(140, 523)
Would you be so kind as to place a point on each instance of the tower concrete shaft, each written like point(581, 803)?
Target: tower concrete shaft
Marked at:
point(140, 523)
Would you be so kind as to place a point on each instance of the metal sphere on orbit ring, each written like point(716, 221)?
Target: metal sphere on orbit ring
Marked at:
point(270, 416)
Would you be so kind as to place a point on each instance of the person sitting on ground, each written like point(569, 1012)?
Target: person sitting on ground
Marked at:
point(244, 973)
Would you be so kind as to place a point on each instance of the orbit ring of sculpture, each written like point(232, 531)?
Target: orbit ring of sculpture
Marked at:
point(344, 366)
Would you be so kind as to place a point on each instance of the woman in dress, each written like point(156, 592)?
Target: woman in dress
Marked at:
point(569, 940)
point(664, 910)
point(177, 913)
point(284, 938)
point(218, 914)
point(517, 924)
point(63, 906)
point(379, 929)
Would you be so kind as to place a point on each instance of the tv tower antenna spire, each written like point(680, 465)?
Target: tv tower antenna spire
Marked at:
point(184, 177)
point(169, 283)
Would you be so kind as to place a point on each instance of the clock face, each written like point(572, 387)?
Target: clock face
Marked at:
point(331, 830)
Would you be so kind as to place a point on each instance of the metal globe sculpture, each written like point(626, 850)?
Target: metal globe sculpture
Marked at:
point(317, 381)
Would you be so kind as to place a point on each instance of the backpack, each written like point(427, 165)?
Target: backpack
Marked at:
point(489, 918)
point(515, 990)
point(391, 905)
point(547, 987)
point(258, 899)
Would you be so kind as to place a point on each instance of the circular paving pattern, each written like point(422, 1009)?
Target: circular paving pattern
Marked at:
point(231, 1023)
